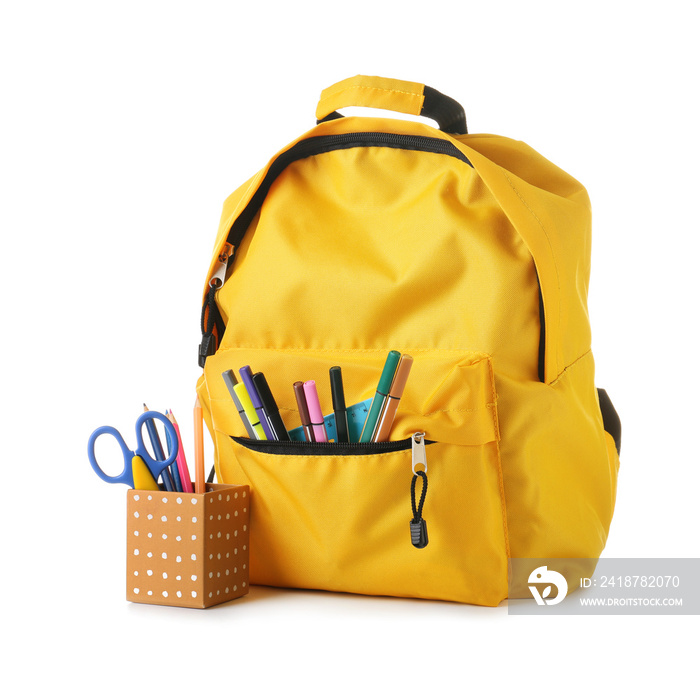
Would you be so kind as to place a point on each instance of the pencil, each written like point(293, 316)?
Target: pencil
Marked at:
point(158, 451)
point(199, 485)
point(181, 459)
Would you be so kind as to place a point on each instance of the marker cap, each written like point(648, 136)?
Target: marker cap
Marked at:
point(315, 413)
point(301, 403)
point(392, 360)
point(337, 391)
point(247, 376)
point(268, 401)
point(231, 381)
point(402, 372)
point(247, 404)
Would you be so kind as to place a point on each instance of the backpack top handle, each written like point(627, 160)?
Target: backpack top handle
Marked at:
point(395, 95)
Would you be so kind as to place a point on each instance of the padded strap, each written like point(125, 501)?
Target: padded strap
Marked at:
point(395, 95)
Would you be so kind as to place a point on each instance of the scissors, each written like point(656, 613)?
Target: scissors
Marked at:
point(141, 470)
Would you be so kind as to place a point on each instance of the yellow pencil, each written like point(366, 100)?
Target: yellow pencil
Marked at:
point(199, 479)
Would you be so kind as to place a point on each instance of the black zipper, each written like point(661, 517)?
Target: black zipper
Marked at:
point(290, 448)
point(322, 144)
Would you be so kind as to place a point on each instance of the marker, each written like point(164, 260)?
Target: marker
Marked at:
point(242, 394)
point(315, 413)
point(181, 459)
point(392, 361)
point(158, 450)
point(200, 486)
point(338, 395)
point(230, 381)
point(270, 407)
point(381, 434)
point(247, 376)
point(303, 411)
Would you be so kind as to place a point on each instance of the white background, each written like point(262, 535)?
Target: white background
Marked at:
point(123, 128)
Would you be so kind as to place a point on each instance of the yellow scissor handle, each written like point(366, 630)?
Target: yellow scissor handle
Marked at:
point(143, 479)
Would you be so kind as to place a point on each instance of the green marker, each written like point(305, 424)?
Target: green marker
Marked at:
point(383, 387)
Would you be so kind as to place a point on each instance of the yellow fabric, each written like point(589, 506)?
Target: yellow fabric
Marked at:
point(360, 251)
point(374, 92)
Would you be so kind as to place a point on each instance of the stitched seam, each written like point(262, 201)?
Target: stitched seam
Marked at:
point(501, 488)
point(375, 88)
point(563, 371)
point(490, 405)
point(551, 249)
point(481, 356)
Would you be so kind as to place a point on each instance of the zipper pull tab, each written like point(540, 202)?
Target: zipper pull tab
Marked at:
point(420, 461)
point(219, 275)
point(418, 526)
point(419, 534)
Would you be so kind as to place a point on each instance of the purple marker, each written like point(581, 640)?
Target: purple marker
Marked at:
point(247, 376)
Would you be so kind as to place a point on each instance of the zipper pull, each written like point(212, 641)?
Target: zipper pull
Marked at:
point(420, 461)
point(219, 275)
point(418, 526)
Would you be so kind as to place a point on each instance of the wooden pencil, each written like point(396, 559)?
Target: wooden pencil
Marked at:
point(181, 458)
point(199, 478)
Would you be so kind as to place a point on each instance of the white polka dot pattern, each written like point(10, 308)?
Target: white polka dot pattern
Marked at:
point(187, 551)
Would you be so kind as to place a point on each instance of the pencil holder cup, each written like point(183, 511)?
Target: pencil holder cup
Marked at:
point(188, 549)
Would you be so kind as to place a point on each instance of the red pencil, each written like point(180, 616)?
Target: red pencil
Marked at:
point(181, 459)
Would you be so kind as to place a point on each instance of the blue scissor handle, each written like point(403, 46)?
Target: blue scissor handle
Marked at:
point(156, 466)
point(127, 476)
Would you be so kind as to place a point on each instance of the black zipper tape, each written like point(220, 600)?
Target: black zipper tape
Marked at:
point(291, 448)
point(322, 144)
point(302, 150)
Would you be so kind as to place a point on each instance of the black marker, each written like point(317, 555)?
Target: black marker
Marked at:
point(270, 406)
point(338, 395)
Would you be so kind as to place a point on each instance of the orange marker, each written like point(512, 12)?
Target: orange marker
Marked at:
point(381, 434)
point(199, 479)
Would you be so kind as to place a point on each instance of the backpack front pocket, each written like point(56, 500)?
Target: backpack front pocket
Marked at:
point(346, 516)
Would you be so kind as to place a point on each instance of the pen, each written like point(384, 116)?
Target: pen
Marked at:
point(181, 459)
point(315, 413)
point(198, 448)
point(375, 410)
point(242, 394)
point(247, 376)
point(158, 450)
point(381, 434)
point(338, 395)
point(231, 382)
point(270, 407)
point(303, 411)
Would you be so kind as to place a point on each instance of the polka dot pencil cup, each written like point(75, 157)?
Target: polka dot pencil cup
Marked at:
point(187, 549)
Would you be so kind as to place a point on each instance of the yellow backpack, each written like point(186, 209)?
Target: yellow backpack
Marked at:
point(468, 252)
